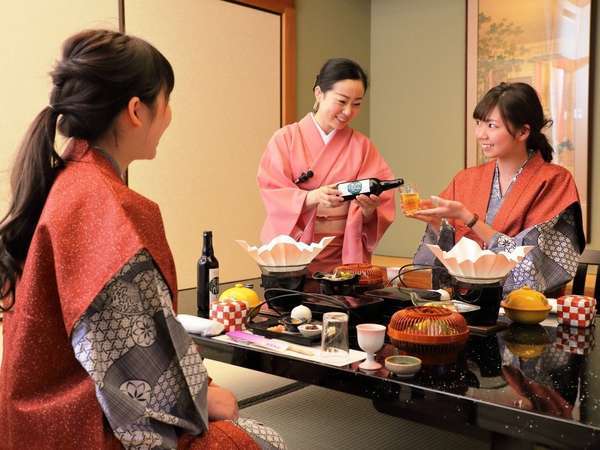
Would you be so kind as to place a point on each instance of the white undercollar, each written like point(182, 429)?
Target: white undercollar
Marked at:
point(325, 136)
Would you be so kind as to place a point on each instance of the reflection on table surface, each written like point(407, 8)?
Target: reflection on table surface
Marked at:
point(550, 370)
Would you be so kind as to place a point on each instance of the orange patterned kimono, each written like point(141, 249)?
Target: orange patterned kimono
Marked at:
point(541, 209)
point(91, 226)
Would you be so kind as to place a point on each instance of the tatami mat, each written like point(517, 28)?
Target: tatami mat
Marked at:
point(315, 418)
point(244, 383)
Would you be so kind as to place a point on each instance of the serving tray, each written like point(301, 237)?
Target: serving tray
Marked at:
point(296, 338)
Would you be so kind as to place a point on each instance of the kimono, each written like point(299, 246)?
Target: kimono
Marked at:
point(93, 355)
point(349, 155)
point(541, 208)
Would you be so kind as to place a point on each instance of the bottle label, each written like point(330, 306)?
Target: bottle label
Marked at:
point(354, 188)
point(213, 285)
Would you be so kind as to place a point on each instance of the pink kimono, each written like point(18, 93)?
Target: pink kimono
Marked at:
point(350, 155)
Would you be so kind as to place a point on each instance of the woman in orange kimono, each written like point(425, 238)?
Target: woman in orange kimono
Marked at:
point(305, 160)
point(518, 198)
point(93, 355)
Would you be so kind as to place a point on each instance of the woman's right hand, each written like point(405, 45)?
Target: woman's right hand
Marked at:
point(327, 196)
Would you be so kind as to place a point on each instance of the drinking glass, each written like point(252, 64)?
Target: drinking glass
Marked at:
point(334, 337)
point(410, 199)
point(370, 339)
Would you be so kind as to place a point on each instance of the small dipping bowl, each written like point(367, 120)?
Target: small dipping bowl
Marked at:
point(291, 324)
point(309, 329)
point(402, 365)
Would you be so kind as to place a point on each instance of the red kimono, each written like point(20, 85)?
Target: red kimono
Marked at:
point(91, 225)
point(541, 192)
point(541, 209)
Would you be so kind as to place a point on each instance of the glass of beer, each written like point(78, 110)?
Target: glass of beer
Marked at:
point(410, 199)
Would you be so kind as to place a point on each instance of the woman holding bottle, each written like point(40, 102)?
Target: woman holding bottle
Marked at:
point(518, 198)
point(304, 162)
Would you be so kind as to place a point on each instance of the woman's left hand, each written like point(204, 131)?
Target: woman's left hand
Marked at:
point(222, 404)
point(368, 204)
point(448, 209)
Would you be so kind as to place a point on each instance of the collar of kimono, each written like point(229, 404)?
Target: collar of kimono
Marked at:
point(539, 193)
point(513, 201)
point(143, 215)
point(79, 150)
point(323, 156)
point(325, 136)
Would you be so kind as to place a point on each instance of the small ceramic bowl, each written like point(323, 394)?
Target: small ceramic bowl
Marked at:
point(309, 329)
point(403, 365)
point(527, 317)
point(291, 324)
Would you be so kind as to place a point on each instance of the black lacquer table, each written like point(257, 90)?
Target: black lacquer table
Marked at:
point(522, 385)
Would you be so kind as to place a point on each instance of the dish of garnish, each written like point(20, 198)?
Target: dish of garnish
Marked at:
point(309, 329)
point(338, 276)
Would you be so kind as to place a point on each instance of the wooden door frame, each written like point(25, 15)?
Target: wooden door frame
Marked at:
point(287, 11)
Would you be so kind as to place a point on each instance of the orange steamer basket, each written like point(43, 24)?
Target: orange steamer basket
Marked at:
point(371, 276)
point(435, 334)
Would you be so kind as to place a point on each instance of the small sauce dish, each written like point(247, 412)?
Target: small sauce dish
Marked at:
point(291, 324)
point(403, 365)
point(309, 329)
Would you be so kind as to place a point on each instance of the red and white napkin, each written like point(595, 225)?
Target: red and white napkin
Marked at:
point(576, 310)
point(231, 313)
point(574, 340)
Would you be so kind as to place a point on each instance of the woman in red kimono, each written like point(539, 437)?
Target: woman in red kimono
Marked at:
point(305, 160)
point(518, 198)
point(93, 355)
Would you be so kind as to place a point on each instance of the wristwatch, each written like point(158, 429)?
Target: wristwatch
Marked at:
point(473, 221)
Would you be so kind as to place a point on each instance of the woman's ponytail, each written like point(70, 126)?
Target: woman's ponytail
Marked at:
point(32, 176)
point(97, 75)
point(539, 142)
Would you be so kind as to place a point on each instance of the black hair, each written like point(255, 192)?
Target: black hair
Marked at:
point(337, 69)
point(98, 73)
point(519, 105)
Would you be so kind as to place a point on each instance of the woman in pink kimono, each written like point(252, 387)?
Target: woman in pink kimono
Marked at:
point(303, 163)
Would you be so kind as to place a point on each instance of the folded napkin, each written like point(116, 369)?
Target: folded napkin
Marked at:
point(200, 325)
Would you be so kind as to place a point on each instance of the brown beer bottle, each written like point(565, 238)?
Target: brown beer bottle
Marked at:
point(208, 277)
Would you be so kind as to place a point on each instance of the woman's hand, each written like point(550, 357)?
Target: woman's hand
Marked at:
point(222, 404)
point(442, 208)
point(368, 204)
point(327, 196)
point(423, 204)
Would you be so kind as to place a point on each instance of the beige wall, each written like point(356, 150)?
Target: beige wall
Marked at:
point(226, 105)
point(30, 44)
point(328, 29)
point(418, 97)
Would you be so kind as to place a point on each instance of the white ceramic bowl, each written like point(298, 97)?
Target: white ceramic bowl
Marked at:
point(468, 262)
point(307, 330)
point(403, 365)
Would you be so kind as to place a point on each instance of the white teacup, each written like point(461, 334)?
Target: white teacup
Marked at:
point(370, 339)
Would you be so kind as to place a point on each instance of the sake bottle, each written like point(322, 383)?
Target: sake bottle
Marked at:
point(351, 189)
point(208, 277)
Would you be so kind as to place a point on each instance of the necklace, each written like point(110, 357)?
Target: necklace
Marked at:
point(514, 177)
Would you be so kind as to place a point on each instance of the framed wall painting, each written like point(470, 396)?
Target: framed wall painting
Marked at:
point(545, 43)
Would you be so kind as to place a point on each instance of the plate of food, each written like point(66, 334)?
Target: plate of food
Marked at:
point(273, 328)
